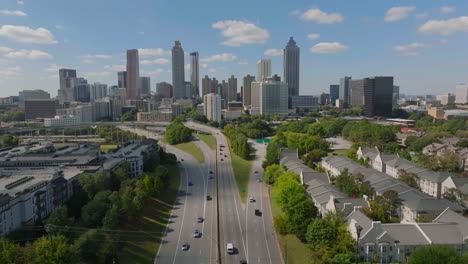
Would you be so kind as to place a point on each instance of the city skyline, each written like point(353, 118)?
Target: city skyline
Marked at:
point(35, 44)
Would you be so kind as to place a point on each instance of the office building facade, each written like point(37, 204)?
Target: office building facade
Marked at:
point(164, 90)
point(269, 97)
point(206, 86)
point(195, 74)
point(65, 92)
point(291, 62)
point(178, 71)
point(375, 94)
point(263, 69)
point(334, 92)
point(40, 108)
point(212, 107)
point(81, 93)
point(232, 89)
point(122, 79)
point(461, 93)
point(344, 89)
point(145, 86)
point(31, 95)
point(304, 101)
point(246, 89)
point(98, 91)
point(133, 74)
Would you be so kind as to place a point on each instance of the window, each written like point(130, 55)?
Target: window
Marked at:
point(384, 248)
point(391, 248)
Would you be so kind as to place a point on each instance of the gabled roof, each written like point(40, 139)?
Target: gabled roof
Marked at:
point(407, 234)
point(428, 205)
point(442, 233)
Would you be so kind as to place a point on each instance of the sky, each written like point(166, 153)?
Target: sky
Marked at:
point(423, 43)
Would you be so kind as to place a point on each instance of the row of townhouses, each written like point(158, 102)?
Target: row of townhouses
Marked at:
point(35, 179)
point(379, 241)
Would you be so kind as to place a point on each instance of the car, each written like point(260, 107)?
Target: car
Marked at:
point(190, 183)
point(200, 219)
point(251, 199)
point(243, 262)
point(258, 213)
point(230, 248)
point(259, 180)
point(256, 171)
point(185, 246)
point(211, 172)
point(225, 156)
point(208, 198)
point(196, 234)
point(181, 159)
point(222, 159)
point(221, 146)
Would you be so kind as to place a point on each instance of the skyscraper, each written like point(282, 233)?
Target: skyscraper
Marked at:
point(291, 58)
point(334, 92)
point(32, 95)
point(145, 86)
point(133, 74)
point(395, 96)
point(224, 91)
point(97, 91)
point(375, 94)
point(164, 90)
point(178, 75)
point(344, 89)
point(122, 79)
point(212, 106)
point(246, 89)
point(194, 74)
point(65, 92)
point(263, 69)
point(269, 97)
point(461, 94)
point(232, 88)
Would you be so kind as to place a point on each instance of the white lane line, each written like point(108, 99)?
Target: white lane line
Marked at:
point(183, 215)
point(263, 221)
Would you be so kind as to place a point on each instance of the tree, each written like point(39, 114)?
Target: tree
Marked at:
point(90, 246)
point(410, 178)
point(435, 254)
point(324, 231)
point(383, 207)
point(177, 133)
point(129, 116)
point(93, 212)
point(463, 143)
point(59, 217)
point(449, 161)
point(9, 252)
point(55, 250)
point(455, 195)
point(272, 172)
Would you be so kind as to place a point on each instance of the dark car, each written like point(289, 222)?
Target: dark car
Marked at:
point(185, 246)
point(200, 219)
point(258, 213)
point(181, 159)
point(225, 156)
point(208, 198)
point(190, 183)
point(222, 160)
point(243, 262)
point(211, 172)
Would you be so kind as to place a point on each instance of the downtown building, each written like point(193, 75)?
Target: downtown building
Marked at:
point(232, 89)
point(344, 93)
point(375, 94)
point(122, 79)
point(334, 92)
point(263, 69)
point(145, 86)
point(291, 62)
point(461, 94)
point(133, 74)
point(195, 74)
point(178, 74)
point(269, 97)
point(31, 95)
point(65, 92)
point(164, 90)
point(212, 106)
point(246, 90)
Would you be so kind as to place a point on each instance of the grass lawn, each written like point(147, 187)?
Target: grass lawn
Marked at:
point(340, 152)
point(192, 149)
point(142, 248)
point(210, 140)
point(292, 248)
point(242, 170)
point(107, 148)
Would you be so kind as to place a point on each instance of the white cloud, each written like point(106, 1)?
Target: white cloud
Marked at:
point(59, 27)
point(156, 61)
point(96, 56)
point(422, 15)
point(88, 61)
point(447, 9)
point(116, 67)
point(241, 32)
point(144, 53)
point(243, 62)
point(204, 65)
point(12, 13)
point(273, 52)
point(140, 32)
point(412, 46)
point(410, 53)
point(5, 49)
point(96, 74)
point(28, 54)
point(328, 47)
point(313, 36)
point(55, 68)
point(321, 17)
point(294, 12)
point(211, 70)
point(10, 73)
point(220, 57)
point(444, 41)
point(398, 13)
point(27, 34)
point(153, 73)
point(20, 2)
point(445, 27)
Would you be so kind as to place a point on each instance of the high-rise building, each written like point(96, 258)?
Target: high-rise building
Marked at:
point(194, 74)
point(31, 95)
point(214, 87)
point(81, 93)
point(395, 96)
point(40, 108)
point(344, 89)
point(164, 90)
point(375, 94)
point(334, 92)
point(304, 101)
point(97, 91)
point(232, 89)
point(178, 75)
point(324, 99)
point(461, 93)
point(188, 90)
point(145, 86)
point(291, 59)
point(206, 85)
point(263, 69)
point(65, 93)
point(212, 106)
point(122, 79)
point(269, 97)
point(133, 74)
point(446, 99)
point(224, 91)
point(246, 89)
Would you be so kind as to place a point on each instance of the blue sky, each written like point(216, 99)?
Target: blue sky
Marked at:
point(422, 43)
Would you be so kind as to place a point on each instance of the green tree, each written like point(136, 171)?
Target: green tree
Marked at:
point(410, 178)
point(324, 231)
point(383, 207)
point(272, 172)
point(93, 212)
point(55, 250)
point(129, 116)
point(59, 217)
point(10, 252)
point(449, 161)
point(177, 133)
point(455, 195)
point(435, 254)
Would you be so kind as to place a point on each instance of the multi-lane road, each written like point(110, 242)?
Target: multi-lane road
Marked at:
point(226, 218)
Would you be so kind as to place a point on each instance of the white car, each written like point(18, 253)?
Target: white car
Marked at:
point(196, 234)
point(185, 246)
point(251, 199)
point(230, 248)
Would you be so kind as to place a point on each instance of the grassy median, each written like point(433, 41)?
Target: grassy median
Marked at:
point(192, 149)
point(142, 247)
point(292, 248)
point(210, 140)
point(242, 170)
